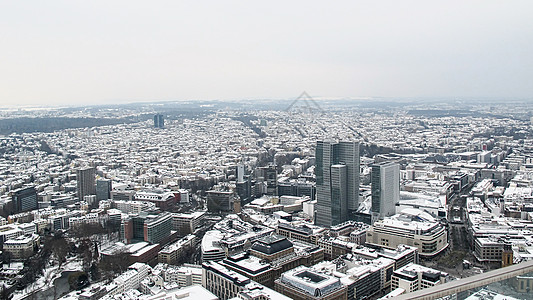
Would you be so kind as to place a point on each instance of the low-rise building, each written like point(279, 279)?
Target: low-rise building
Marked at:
point(252, 267)
point(401, 255)
point(413, 277)
point(231, 236)
point(134, 207)
point(493, 250)
point(270, 256)
point(255, 291)
point(90, 218)
point(411, 227)
point(131, 279)
point(187, 223)
point(194, 292)
point(9, 231)
point(222, 282)
point(22, 247)
point(163, 200)
point(173, 253)
point(364, 278)
point(301, 231)
point(305, 283)
point(184, 275)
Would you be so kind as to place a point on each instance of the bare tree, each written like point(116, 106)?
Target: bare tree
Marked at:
point(59, 248)
point(84, 251)
point(85, 230)
point(112, 265)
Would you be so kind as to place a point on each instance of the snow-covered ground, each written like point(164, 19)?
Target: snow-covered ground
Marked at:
point(46, 281)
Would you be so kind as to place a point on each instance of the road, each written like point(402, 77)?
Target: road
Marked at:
point(459, 246)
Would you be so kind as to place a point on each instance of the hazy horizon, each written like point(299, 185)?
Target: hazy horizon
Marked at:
point(61, 53)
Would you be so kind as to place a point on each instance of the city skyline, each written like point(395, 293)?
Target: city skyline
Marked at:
point(270, 194)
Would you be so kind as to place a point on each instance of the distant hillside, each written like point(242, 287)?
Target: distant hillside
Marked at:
point(22, 125)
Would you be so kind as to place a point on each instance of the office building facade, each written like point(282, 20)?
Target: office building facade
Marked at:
point(25, 199)
point(297, 188)
point(220, 201)
point(103, 189)
point(269, 176)
point(385, 178)
point(337, 182)
point(157, 228)
point(86, 182)
point(152, 228)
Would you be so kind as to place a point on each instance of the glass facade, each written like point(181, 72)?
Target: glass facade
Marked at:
point(337, 181)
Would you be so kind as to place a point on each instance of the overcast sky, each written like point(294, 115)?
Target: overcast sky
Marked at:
point(95, 52)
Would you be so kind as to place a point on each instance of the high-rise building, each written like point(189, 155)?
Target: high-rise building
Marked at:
point(243, 185)
point(244, 190)
point(337, 182)
point(25, 199)
point(385, 179)
point(159, 121)
point(86, 183)
point(240, 173)
point(103, 189)
point(269, 175)
point(271, 179)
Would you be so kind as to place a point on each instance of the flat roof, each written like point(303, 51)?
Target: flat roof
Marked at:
point(310, 281)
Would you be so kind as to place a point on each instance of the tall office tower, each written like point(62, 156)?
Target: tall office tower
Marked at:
point(385, 180)
point(337, 181)
point(25, 199)
point(86, 185)
point(243, 185)
point(103, 189)
point(271, 177)
point(159, 121)
point(240, 173)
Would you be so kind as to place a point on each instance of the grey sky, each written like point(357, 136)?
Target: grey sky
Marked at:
point(89, 52)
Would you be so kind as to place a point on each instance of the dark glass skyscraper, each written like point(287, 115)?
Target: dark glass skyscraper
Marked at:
point(337, 181)
point(159, 121)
